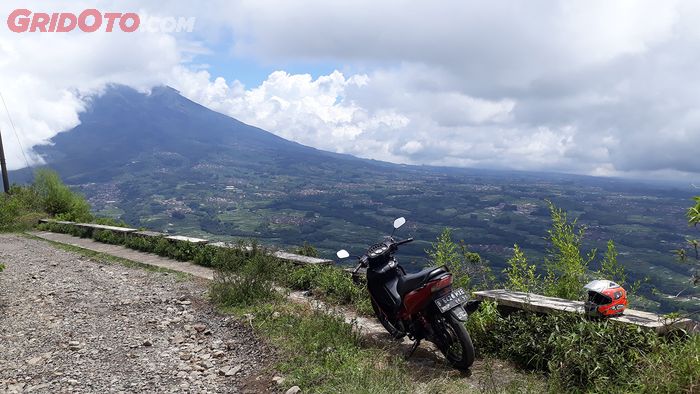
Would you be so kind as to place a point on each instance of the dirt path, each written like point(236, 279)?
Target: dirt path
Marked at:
point(71, 324)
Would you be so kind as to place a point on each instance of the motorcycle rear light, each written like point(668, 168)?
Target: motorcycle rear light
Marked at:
point(441, 284)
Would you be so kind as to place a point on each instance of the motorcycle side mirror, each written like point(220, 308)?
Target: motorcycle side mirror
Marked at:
point(343, 254)
point(399, 222)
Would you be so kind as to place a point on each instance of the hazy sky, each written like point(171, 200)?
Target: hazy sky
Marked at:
point(590, 87)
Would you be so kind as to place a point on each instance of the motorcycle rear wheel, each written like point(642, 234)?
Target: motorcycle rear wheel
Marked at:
point(457, 347)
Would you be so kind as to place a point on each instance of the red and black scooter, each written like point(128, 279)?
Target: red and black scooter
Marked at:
point(422, 305)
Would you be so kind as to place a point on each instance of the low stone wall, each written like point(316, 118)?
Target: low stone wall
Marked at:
point(90, 228)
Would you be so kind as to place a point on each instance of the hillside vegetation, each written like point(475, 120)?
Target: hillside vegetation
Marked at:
point(46, 196)
point(321, 353)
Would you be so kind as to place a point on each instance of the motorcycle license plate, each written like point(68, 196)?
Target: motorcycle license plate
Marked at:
point(456, 298)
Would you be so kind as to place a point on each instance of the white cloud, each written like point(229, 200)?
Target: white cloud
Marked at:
point(589, 87)
point(46, 77)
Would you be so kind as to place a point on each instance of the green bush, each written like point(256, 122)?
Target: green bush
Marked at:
point(587, 355)
point(469, 270)
point(566, 267)
point(205, 255)
point(675, 366)
point(694, 212)
point(19, 210)
point(307, 250)
point(2, 267)
point(110, 222)
point(57, 199)
point(109, 237)
point(22, 208)
point(243, 278)
point(331, 284)
point(520, 276)
point(140, 243)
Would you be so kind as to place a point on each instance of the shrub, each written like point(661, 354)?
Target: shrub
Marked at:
point(307, 250)
point(2, 267)
point(587, 355)
point(331, 284)
point(675, 366)
point(57, 199)
point(243, 278)
point(205, 255)
point(19, 209)
point(694, 212)
point(465, 266)
point(520, 276)
point(110, 222)
point(140, 243)
point(108, 237)
point(566, 267)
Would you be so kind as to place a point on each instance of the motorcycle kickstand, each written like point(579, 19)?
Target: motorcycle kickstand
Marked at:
point(413, 349)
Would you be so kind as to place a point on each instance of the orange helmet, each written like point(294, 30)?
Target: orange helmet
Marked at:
point(605, 298)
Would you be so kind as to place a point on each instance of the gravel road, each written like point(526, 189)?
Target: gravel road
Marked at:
point(72, 324)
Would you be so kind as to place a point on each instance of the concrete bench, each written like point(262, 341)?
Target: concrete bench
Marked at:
point(192, 240)
point(115, 229)
point(542, 304)
point(291, 257)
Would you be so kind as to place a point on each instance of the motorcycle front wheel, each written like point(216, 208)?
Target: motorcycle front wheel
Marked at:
point(456, 343)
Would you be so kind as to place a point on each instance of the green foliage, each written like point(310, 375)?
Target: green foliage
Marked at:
point(2, 267)
point(205, 255)
point(610, 268)
point(520, 276)
point(20, 209)
point(75, 231)
point(331, 284)
point(566, 267)
point(109, 222)
point(480, 325)
point(140, 243)
point(694, 212)
point(465, 266)
point(325, 355)
point(108, 237)
point(243, 278)
point(675, 366)
point(57, 199)
point(307, 250)
point(586, 355)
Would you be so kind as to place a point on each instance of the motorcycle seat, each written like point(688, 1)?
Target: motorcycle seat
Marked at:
point(410, 282)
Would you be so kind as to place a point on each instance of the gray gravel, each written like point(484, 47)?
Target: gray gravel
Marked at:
point(71, 324)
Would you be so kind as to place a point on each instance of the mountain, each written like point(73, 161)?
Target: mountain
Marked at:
point(161, 161)
point(123, 126)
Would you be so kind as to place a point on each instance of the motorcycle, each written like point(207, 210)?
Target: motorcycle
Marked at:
point(420, 305)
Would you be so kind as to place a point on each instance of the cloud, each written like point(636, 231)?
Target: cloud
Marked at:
point(587, 87)
point(47, 78)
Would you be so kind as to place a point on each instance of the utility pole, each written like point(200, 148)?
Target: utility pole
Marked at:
point(3, 164)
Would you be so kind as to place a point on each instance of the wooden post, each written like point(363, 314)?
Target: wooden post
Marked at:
point(3, 165)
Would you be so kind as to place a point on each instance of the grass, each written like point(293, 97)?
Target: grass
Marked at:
point(323, 354)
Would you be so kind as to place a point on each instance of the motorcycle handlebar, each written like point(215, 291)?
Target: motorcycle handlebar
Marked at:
point(405, 241)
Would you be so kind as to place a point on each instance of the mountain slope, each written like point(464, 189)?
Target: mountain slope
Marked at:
point(164, 162)
point(123, 125)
